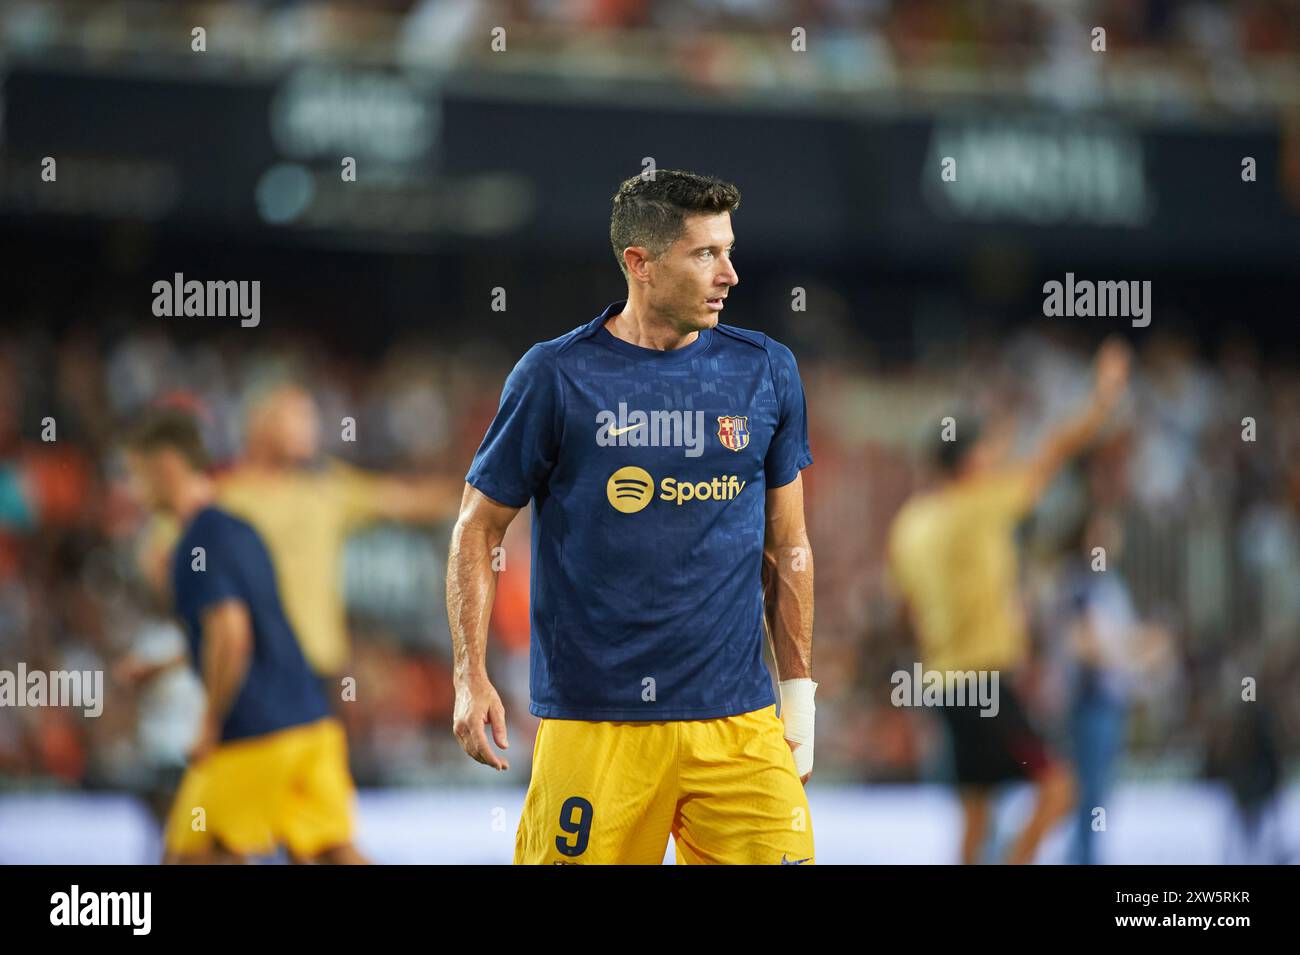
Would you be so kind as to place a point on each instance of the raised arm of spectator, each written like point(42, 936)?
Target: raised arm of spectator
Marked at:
point(1074, 435)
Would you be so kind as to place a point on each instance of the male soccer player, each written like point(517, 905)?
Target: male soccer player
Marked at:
point(952, 552)
point(270, 765)
point(304, 506)
point(661, 451)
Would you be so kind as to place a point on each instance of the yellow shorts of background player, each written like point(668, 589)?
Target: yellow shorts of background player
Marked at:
point(289, 788)
point(611, 793)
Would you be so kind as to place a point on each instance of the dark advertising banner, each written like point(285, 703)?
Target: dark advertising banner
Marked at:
point(372, 158)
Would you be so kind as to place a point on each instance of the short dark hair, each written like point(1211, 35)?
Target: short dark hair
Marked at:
point(651, 211)
point(168, 428)
point(948, 455)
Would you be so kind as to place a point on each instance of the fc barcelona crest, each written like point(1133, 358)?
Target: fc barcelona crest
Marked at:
point(733, 431)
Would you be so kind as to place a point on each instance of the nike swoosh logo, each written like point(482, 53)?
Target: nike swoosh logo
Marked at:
point(785, 861)
point(615, 432)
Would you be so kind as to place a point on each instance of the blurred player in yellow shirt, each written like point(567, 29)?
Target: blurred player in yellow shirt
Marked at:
point(952, 553)
point(305, 508)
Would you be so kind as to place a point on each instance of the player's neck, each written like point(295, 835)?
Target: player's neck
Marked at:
point(192, 497)
point(642, 327)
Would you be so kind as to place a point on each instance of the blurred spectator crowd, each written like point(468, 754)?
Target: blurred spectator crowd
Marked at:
point(1210, 545)
point(1238, 55)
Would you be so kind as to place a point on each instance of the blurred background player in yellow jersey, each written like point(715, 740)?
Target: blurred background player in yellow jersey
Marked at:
point(952, 553)
point(304, 506)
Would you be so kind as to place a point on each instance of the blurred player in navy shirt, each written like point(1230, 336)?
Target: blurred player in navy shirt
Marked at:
point(269, 768)
point(661, 451)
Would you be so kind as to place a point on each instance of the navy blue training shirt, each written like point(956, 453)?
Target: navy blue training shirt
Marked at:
point(647, 471)
point(280, 690)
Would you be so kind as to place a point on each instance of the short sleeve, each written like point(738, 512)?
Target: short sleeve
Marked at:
point(788, 454)
point(522, 444)
point(198, 589)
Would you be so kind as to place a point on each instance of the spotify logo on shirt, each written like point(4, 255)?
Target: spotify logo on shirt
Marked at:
point(629, 489)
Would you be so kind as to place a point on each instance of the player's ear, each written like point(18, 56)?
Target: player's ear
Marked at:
point(637, 258)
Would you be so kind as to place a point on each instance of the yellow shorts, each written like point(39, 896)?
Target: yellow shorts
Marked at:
point(607, 793)
point(291, 788)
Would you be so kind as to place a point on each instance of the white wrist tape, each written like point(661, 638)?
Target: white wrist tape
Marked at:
point(798, 714)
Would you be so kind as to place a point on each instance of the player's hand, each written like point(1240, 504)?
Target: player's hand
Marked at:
point(793, 746)
point(477, 705)
point(1114, 359)
point(798, 713)
point(208, 739)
